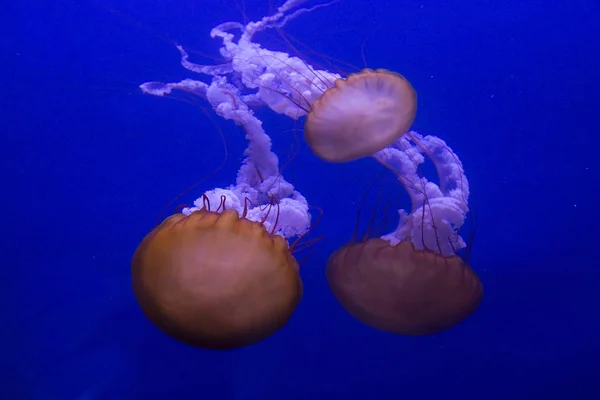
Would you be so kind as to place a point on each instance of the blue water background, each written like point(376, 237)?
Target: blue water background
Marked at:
point(87, 162)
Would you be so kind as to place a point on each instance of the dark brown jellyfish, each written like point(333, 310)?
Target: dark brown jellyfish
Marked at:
point(360, 115)
point(411, 281)
point(401, 290)
point(215, 280)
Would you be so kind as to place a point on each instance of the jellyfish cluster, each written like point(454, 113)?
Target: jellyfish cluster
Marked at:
point(221, 274)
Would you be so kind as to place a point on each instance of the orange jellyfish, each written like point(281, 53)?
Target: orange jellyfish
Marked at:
point(411, 281)
point(226, 278)
point(215, 280)
point(360, 115)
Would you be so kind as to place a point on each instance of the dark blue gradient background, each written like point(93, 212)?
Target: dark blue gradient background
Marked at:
point(87, 162)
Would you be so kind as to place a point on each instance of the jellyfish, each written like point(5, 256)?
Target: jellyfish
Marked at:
point(364, 114)
point(346, 117)
point(220, 274)
point(223, 277)
point(411, 281)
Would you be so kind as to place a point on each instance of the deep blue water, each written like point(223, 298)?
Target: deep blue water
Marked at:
point(87, 162)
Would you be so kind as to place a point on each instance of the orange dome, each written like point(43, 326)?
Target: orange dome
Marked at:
point(215, 281)
point(401, 290)
point(360, 115)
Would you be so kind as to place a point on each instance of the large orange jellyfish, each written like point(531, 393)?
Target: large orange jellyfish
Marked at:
point(215, 280)
point(411, 281)
point(225, 277)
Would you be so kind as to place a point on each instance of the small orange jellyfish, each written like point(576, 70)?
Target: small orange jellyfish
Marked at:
point(360, 115)
point(215, 280)
point(411, 281)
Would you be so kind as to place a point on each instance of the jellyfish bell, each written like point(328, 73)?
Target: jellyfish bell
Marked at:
point(360, 115)
point(215, 280)
point(398, 289)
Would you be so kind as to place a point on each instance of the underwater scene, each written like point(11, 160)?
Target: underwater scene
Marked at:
point(300, 199)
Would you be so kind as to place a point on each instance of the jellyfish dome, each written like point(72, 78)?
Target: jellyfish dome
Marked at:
point(360, 115)
point(214, 280)
point(401, 290)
